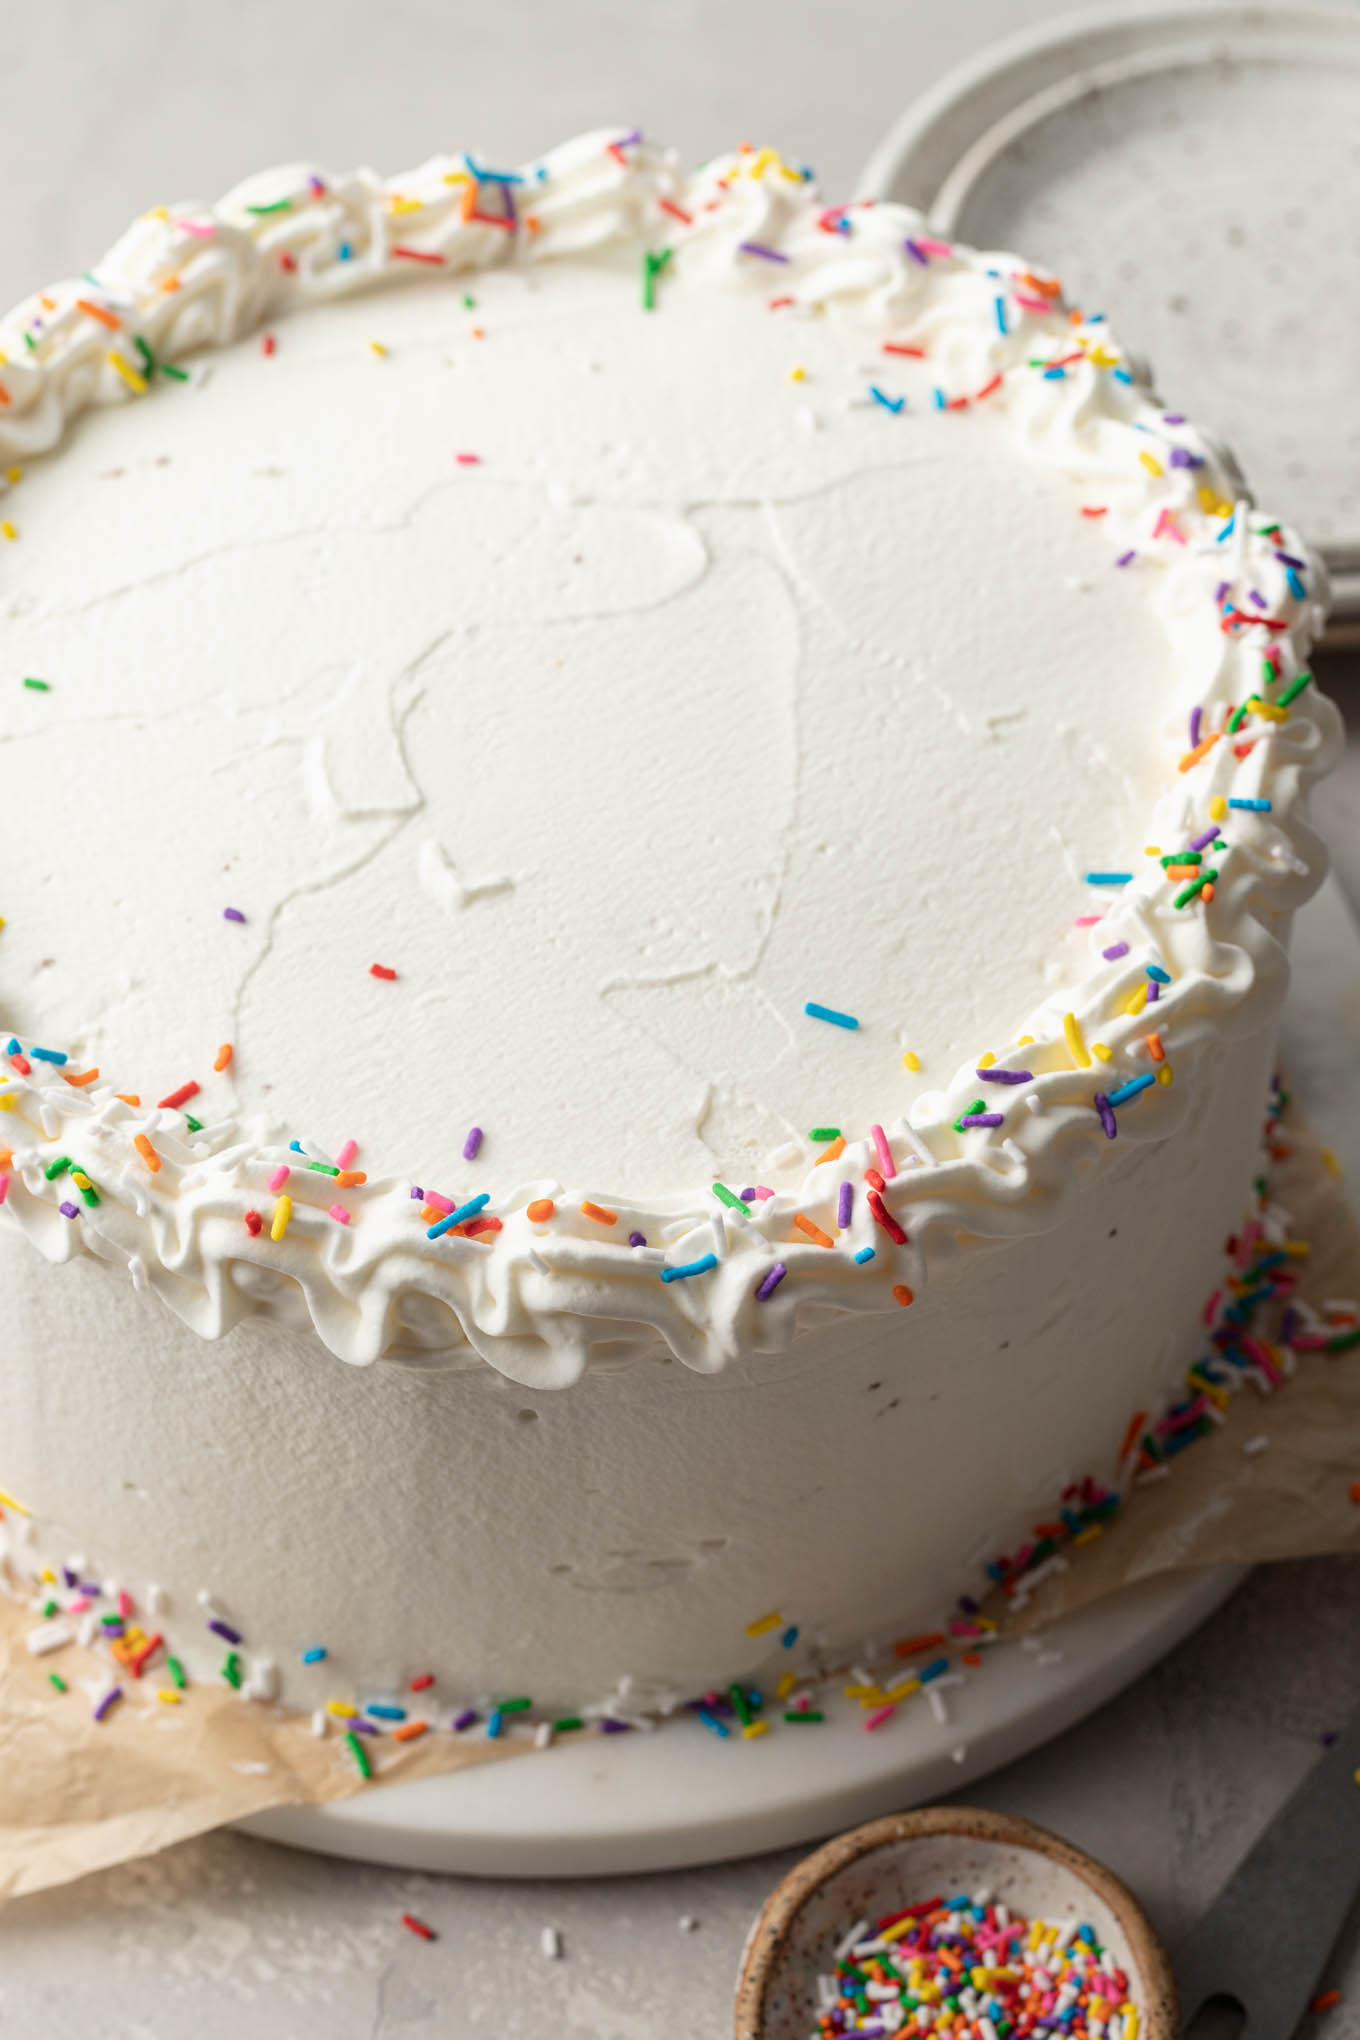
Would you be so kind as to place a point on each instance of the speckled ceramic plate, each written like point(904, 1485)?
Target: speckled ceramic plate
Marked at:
point(1194, 171)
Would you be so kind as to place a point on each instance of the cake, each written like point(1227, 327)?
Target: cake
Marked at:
point(650, 837)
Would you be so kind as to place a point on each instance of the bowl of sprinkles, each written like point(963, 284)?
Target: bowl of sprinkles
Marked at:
point(959, 1924)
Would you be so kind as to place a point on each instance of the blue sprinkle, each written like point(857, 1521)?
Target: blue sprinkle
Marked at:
point(790, 1636)
point(939, 399)
point(1155, 971)
point(688, 1268)
point(1000, 304)
point(1109, 877)
point(816, 1012)
point(12, 1045)
point(711, 1722)
point(491, 176)
point(1055, 375)
point(459, 1216)
point(933, 1670)
point(493, 1723)
point(383, 1711)
point(1130, 1090)
point(1121, 375)
point(296, 1147)
point(1296, 587)
point(864, 1254)
point(314, 1655)
point(893, 404)
point(49, 1055)
point(1252, 807)
point(344, 251)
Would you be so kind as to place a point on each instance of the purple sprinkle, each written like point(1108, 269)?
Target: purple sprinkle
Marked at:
point(1107, 1120)
point(845, 1204)
point(771, 1281)
point(917, 254)
point(1328, 1737)
point(224, 1630)
point(465, 1719)
point(982, 1119)
point(1173, 418)
point(68, 1576)
point(968, 1604)
point(633, 136)
point(608, 1726)
point(67, 1209)
point(995, 1076)
point(1115, 951)
point(417, 1193)
point(1255, 595)
point(1125, 558)
point(101, 1708)
point(1221, 590)
point(1289, 1324)
point(1203, 842)
point(232, 914)
point(471, 1144)
point(364, 1726)
point(113, 1628)
point(1196, 719)
point(637, 1239)
point(1154, 991)
point(1292, 560)
point(91, 1588)
point(759, 248)
point(747, 1194)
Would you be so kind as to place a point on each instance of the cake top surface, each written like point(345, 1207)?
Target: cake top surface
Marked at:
point(526, 714)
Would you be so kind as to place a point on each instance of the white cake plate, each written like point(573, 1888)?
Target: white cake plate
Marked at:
point(679, 1796)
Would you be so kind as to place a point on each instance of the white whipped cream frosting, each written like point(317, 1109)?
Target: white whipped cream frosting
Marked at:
point(736, 664)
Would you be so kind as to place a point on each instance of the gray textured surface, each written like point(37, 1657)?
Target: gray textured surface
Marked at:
point(108, 110)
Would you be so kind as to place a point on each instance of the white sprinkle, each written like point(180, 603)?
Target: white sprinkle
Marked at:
point(688, 1923)
point(157, 1600)
point(550, 1941)
point(1256, 1444)
point(85, 1634)
point(849, 1938)
point(939, 1706)
point(319, 1723)
point(1146, 1479)
point(959, 1755)
point(543, 1735)
point(49, 1636)
point(537, 1261)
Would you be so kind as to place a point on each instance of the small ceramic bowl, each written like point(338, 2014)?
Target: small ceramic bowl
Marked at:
point(908, 1856)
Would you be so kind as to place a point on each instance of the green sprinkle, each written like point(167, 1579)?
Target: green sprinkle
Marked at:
point(1239, 716)
point(1343, 1341)
point(652, 266)
point(231, 1670)
point(520, 1706)
point(176, 1671)
point(1183, 857)
point(57, 1680)
point(978, 1105)
point(359, 1754)
point(825, 1133)
point(111, 1621)
point(194, 1125)
point(1184, 897)
point(57, 1167)
point(175, 374)
point(808, 1714)
point(276, 206)
point(148, 358)
point(730, 1197)
point(48, 1608)
point(87, 1190)
point(1296, 686)
point(740, 1702)
point(38, 686)
point(469, 301)
point(567, 1723)
point(323, 1168)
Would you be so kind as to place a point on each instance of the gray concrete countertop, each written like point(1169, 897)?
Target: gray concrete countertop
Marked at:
point(108, 110)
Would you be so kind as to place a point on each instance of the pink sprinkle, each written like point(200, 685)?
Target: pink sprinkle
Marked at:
point(879, 1716)
point(933, 247)
point(468, 459)
point(78, 1605)
point(4, 1188)
point(885, 1160)
point(347, 1153)
point(279, 1178)
point(440, 1203)
point(125, 1604)
point(200, 228)
point(761, 1192)
point(1087, 920)
point(339, 1214)
point(268, 344)
point(1029, 304)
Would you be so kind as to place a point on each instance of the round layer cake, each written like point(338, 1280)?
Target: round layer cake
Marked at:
point(650, 830)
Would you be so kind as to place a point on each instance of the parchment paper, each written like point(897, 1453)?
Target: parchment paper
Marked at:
point(76, 1796)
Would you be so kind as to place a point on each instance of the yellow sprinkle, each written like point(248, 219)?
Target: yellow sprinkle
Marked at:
point(1152, 850)
point(1089, 1534)
point(1207, 499)
point(80, 1179)
point(341, 1709)
point(377, 346)
point(1025, 1041)
point(873, 1696)
point(1154, 467)
point(1102, 357)
point(1164, 1075)
point(283, 1211)
point(404, 205)
point(1218, 807)
point(1329, 1160)
point(1300, 1249)
point(1224, 508)
point(168, 1695)
point(762, 162)
point(763, 1624)
point(1136, 1004)
point(13, 1502)
point(858, 1692)
point(786, 1686)
point(1075, 1044)
point(912, 1060)
point(13, 475)
point(7, 1104)
point(7, 530)
point(797, 375)
point(895, 1933)
point(984, 1062)
point(1268, 710)
point(755, 1728)
point(457, 177)
point(130, 376)
point(1130, 2022)
point(47, 1576)
point(904, 1689)
point(1098, 1048)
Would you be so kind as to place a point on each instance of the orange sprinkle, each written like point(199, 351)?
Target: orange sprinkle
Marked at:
point(1201, 750)
point(345, 1179)
point(1094, 509)
point(409, 1731)
point(1155, 1049)
point(1325, 1999)
point(147, 1152)
point(902, 1295)
point(94, 311)
point(467, 203)
point(78, 1079)
point(599, 1213)
point(970, 1657)
point(1134, 1431)
point(814, 1232)
point(1355, 1492)
point(127, 1097)
point(541, 1208)
point(223, 1056)
point(1181, 870)
point(1207, 892)
point(831, 1151)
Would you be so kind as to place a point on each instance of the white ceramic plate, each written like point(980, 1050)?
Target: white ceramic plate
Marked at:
point(1194, 171)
